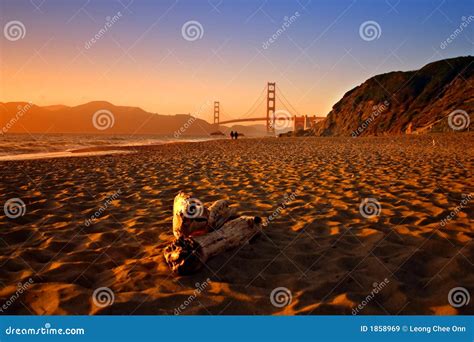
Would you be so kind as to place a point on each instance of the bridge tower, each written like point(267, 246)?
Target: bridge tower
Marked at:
point(271, 107)
point(216, 113)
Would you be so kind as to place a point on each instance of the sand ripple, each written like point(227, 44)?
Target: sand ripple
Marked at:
point(318, 245)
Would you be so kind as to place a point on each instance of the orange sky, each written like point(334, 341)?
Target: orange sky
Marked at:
point(166, 83)
point(143, 60)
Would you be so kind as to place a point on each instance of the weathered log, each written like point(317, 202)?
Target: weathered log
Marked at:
point(190, 216)
point(188, 254)
point(183, 256)
point(219, 213)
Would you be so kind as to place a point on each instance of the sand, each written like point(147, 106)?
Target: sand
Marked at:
point(317, 244)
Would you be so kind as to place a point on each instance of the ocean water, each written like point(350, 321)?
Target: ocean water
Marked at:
point(35, 146)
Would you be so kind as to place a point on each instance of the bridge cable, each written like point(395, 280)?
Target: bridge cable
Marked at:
point(256, 102)
point(249, 111)
point(285, 107)
point(281, 93)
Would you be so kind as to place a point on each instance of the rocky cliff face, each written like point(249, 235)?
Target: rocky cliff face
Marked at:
point(404, 102)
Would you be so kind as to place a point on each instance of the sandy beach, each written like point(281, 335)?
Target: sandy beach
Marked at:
point(317, 244)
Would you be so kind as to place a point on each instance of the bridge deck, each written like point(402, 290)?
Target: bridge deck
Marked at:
point(319, 118)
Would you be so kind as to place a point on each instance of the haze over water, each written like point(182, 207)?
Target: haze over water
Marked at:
point(34, 146)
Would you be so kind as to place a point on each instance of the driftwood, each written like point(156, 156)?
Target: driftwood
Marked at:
point(188, 254)
point(219, 213)
point(189, 216)
point(202, 233)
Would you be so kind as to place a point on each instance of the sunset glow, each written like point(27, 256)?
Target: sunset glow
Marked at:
point(142, 59)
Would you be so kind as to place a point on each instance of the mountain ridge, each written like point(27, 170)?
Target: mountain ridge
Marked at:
point(96, 117)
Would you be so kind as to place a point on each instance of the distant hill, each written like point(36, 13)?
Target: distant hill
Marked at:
point(21, 117)
point(399, 102)
point(248, 131)
point(55, 107)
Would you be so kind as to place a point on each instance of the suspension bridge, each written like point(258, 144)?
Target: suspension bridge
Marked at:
point(275, 118)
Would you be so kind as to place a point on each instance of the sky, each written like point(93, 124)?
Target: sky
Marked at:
point(61, 52)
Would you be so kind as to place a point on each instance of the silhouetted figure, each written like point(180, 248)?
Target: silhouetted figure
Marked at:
point(236, 134)
point(232, 135)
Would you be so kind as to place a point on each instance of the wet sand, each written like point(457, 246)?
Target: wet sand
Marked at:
point(317, 244)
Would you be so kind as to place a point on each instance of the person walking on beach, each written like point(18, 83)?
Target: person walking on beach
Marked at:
point(236, 135)
point(232, 135)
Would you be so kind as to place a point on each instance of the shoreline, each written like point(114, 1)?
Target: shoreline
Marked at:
point(135, 148)
point(54, 155)
point(93, 151)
